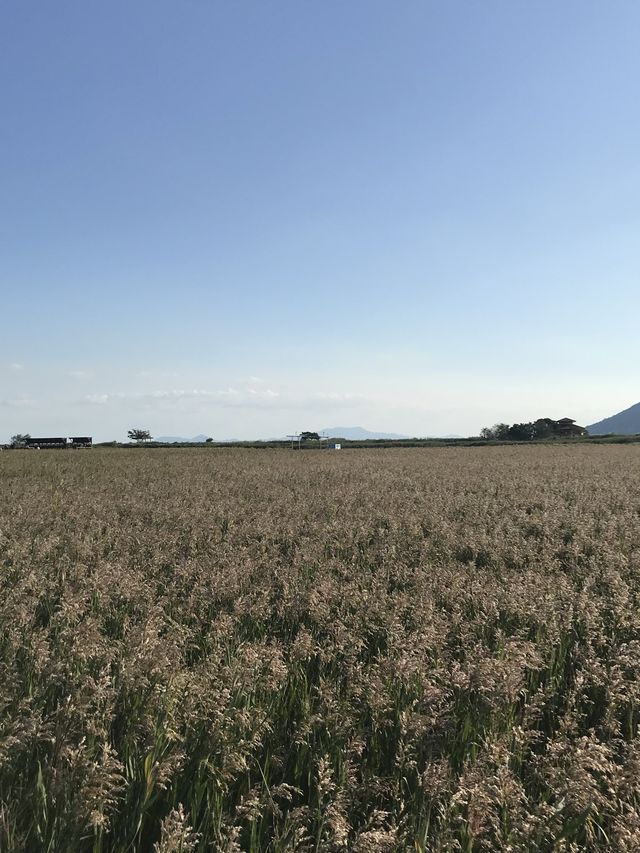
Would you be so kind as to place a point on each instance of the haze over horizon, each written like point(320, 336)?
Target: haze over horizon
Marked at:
point(245, 220)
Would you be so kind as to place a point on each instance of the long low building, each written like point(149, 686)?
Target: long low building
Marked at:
point(81, 441)
point(59, 443)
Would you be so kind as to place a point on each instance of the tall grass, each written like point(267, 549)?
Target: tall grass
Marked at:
point(427, 650)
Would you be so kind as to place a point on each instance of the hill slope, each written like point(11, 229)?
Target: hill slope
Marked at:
point(624, 423)
point(170, 439)
point(358, 433)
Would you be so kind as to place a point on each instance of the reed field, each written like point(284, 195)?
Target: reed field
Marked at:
point(376, 650)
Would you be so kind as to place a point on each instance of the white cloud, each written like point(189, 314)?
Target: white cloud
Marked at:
point(157, 374)
point(14, 365)
point(225, 396)
point(231, 397)
point(17, 403)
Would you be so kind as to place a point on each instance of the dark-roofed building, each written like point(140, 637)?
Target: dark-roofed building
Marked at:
point(567, 428)
point(58, 442)
point(81, 441)
point(48, 443)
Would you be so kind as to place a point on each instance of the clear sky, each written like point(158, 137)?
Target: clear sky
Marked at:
point(248, 218)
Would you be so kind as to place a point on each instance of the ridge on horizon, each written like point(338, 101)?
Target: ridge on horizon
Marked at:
point(349, 433)
point(626, 422)
point(359, 433)
point(169, 439)
point(356, 433)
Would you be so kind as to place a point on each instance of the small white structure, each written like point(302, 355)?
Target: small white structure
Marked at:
point(335, 447)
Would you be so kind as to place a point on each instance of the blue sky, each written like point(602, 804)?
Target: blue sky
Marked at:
point(250, 218)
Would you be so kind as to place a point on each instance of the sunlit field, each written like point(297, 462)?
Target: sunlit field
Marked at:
point(388, 650)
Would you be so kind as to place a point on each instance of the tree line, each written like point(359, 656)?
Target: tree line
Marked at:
point(542, 428)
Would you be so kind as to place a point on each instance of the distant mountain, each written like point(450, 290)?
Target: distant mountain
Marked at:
point(359, 433)
point(624, 423)
point(169, 439)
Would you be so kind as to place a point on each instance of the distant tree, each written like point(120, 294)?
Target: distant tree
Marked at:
point(309, 436)
point(19, 440)
point(208, 440)
point(139, 435)
point(522, 432)
point(497, 431)
point(544, 428)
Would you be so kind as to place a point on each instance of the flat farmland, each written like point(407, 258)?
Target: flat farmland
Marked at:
point(386, 650)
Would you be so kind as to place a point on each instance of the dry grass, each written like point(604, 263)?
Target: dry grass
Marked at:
point(427, 650)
